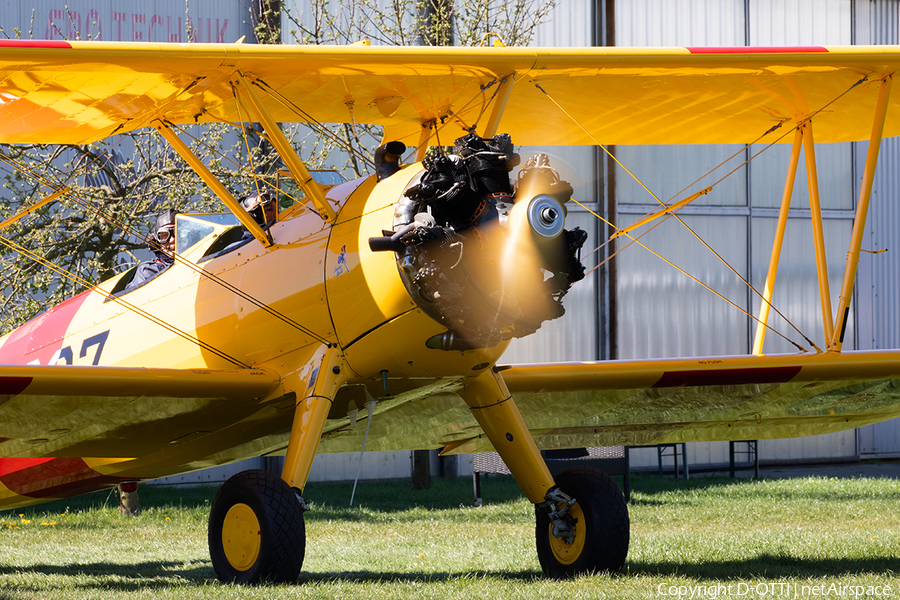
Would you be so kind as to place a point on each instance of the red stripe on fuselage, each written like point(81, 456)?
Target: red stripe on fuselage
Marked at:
point(51, 477)
point(42, 336)
point(756, 49)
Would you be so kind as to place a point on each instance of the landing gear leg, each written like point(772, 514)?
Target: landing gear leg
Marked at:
point(256, 527)
point(582, 520)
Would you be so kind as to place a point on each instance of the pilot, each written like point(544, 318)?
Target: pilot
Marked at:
point(163, 243)
point(263, 207)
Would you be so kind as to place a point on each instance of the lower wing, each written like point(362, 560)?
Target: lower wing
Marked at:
point(570, 405)
point(66, 430)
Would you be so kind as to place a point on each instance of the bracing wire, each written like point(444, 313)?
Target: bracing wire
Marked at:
point(80, 280)
point(676, 267)
point(154, 246)
point(246, 138)
point(742, 278)
point(312, 122)
point(287, 103)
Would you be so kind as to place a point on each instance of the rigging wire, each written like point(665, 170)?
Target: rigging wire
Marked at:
point(443, 120)
point(87, 284)
point(312, 122)
point(670, 263)
point(770, 130)
point(156, 247)
point(610, 224)
point(253, 174)
point(242, 168)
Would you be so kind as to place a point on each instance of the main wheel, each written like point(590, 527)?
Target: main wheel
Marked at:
point(256, 530)
point(602, 528)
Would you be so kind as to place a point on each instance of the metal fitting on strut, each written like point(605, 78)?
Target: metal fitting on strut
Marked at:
point(562, 523)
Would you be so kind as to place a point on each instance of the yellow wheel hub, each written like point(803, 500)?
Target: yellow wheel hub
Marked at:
point(240, 537)
point(569, 553)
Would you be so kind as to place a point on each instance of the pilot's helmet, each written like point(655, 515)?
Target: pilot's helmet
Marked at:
point(256, 203)
point(165, 226)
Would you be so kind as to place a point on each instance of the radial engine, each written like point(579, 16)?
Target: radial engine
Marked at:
point(487, 257)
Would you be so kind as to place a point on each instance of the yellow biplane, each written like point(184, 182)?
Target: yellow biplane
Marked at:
point(399, 292)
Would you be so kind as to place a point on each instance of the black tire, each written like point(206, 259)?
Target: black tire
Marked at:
point(276, 553)
point(602, 532)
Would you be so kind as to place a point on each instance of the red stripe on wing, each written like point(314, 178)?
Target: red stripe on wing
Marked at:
point(51, 477)
point(727, 377)
point(34, 44)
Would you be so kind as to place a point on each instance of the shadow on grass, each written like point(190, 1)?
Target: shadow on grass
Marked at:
point(162, 574)
point(413, 577)
point(159, 497)
point(768, 566)
point(122, 577)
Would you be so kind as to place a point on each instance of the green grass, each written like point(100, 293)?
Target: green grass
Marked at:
point(400, 543)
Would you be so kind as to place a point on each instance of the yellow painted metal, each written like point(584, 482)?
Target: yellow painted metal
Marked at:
point(128, 381)
point(315, 386)
point(619, 95)
point(27, 211)
point(815, 206)
point(299, 171)
point(241, 539)
point(422, 145)
point(493, 407)
point(499, 106)
point(569, 553)
point(775, 257)
point(214, 184)
point(661, 212)
point(367, 283)
point(862, 211)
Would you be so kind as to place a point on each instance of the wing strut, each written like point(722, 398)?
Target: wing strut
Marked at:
point(370, 405)
point(670, 208)
point(815, 205)
point(774, 258)
point(285, 151)
point(44, 202)
point(862, 210)
point(501, 97)
point(215, 185)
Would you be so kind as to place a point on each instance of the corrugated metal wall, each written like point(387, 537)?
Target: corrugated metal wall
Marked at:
point(128, 20)
point(683, 23)
point(878, 284)
point(664, 313)
point(800, 22)
point(576, 336)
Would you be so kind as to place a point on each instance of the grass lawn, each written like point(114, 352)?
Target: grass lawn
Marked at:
point(806, 538)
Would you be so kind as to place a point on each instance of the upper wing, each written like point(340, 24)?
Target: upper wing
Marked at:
point(77, 92)
point(571, 405)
